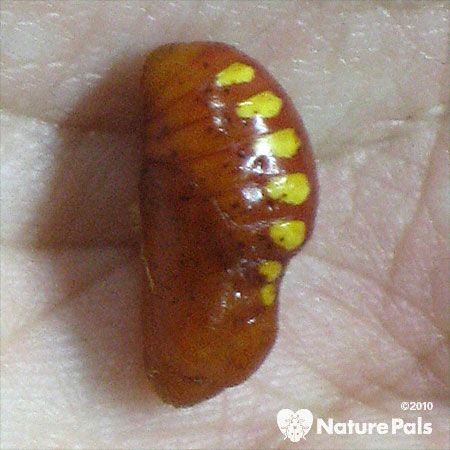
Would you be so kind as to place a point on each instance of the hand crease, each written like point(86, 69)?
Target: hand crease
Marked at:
point(403, 239)
point(18, 335)
point(88, 244)
point(386, 289)
point(115, 128)
point(392, 130)
point(347, 396)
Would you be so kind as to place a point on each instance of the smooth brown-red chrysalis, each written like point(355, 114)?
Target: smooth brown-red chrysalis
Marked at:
point(228, 196)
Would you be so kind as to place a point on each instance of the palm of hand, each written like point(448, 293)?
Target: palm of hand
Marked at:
point(361, 325)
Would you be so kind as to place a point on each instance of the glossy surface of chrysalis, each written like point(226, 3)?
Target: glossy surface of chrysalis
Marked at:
point(228, 196)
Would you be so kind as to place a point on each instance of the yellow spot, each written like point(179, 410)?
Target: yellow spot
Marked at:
point(288, 234)
point(236, 73)
point(292, 188)
point(268, 293)
point(283, 144)
point(265, 104)
point(270, 269)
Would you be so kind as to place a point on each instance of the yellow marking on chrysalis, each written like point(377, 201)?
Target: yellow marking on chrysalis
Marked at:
point(236, 73)
point(270, 269)
point(268, 294)
point(288, 234)
point(292, 188)
point(283, 144)
point(265, 104)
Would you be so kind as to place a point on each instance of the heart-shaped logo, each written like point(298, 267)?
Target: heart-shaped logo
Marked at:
point(294, 425)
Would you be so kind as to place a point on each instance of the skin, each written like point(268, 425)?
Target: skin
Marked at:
point(363, 307)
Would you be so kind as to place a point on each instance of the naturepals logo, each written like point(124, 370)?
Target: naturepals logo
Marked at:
point(296, 425)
